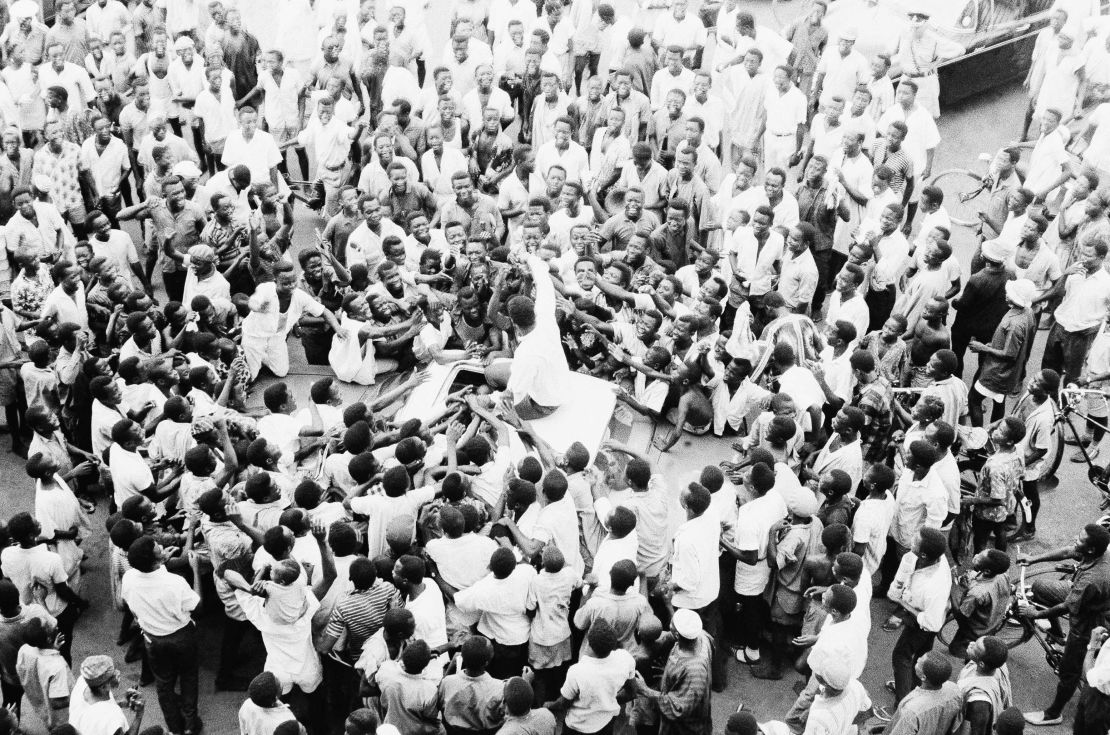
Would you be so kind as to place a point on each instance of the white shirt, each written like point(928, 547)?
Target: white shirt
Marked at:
point(574, 159)
point(592, 685)
point(1085, 301)
point(39, 566)
point(282, 106)
point(753, 527)
point(754, 265)
point(218, 115)
point(120, 250)
point(559, 521)
point(662, 82)
point(920, 503)
point(540, 369)
point(842, 73)
point(854, 311)
point(870, 526)
point(130, 473)
point(785, 111)
point(1097, 154)
point(381, 509)
point(107, 168)
point(696, 578)
point(160, 601)
point(73, 78)
point(331, 143)
point(259, 154)
point(922, 137)
point(892, 259)
point(925, 589)
point(1047, 161)
point(290, 655)
point(503, 604)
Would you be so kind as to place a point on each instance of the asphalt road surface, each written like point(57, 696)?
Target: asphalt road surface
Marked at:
point(978, 125)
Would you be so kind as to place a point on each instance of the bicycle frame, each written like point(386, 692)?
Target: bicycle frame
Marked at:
point(1095, 474)
point(1053, 655)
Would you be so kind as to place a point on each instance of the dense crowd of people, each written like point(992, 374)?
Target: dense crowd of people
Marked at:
point(732, 228)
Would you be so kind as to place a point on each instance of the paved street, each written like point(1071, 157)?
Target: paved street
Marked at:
point(979, 125)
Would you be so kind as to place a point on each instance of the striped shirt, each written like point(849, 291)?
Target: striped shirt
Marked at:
point(360, 613)
point(898, 161)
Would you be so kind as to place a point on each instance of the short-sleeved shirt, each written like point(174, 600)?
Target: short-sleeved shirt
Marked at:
point(999, 481)
point(753, 526)
point(592, 685)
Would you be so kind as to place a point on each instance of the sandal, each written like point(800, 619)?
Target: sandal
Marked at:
point(893, 624)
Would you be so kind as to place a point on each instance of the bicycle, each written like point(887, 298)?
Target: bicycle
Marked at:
point(962, 187)
point(1096, 475)
point(1015, 629)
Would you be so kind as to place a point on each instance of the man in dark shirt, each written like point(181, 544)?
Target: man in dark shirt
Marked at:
point(675, 241)
point(981, 306)
point(1084, 598)
point(815, 208)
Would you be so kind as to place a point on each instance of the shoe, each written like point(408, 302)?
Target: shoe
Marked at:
point(1085, 440)
point(892, 623)
point(883, 714)
point(1078, 456)
point(1040, 719)
point(134, 651)
point(751, 655)
point(890, 686)
point(764, 670)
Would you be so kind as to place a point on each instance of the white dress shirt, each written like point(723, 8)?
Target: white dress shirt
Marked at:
point(161, 602)
point(502, 604)
point(695, 576)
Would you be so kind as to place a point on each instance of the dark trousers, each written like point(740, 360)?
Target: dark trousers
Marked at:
point(239, 636)
point(317, 344)
point(1071, 670)
point(173, 660)
point(754, 615)
point(982, 530)
point(340, 690)
point(66, 620)
point(888, 565)
point(912, 645)
point(1092, 716)
point(175, 284)
point(13, 696)
point(508, 661)
point(822, 259)
point(1065, 352)
point(711, 622)
point(879, 306)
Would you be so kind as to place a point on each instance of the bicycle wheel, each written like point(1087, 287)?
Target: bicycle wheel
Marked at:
point(956, 184)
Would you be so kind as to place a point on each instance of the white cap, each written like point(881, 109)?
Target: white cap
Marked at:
point(42, 183)
point(186, 169)
point(687, 623)
point(24, 9)
point(997, 250)
point(1021, 291)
